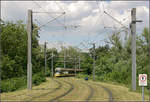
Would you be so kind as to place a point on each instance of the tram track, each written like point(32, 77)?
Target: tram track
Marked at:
point(72, 89)
point(64, 94)
point(57, 88)
point(71, 86)
point(91, 93)
point(107, 90)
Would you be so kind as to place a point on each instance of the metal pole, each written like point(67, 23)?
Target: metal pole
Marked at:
point(75, 66)
point(64, 59)
point(52, 69)
point(79, 62)
point(149, 61)
point(93, 61)
point(29, 65)
point(133, 32)
point(45, 57)
point(142, 93)
point(0, 57)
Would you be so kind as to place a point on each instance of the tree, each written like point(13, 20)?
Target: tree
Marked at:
point(14, 50)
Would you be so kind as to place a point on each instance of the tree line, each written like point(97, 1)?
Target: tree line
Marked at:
point(113, 60)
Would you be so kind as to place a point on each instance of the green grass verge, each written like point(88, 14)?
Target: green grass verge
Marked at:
point(110, 81)
point(14, 84)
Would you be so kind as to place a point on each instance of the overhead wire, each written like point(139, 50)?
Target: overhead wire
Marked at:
point(46, 12)
point(64, 19)
point(121, 23)
point(50, 21)
point(93, 26)
point(61, 8)
point(99, 9)
point(36, 12)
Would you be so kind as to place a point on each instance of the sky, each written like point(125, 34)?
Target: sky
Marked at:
point(84, 22)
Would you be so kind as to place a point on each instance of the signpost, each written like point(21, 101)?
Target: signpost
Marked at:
point(143, 82)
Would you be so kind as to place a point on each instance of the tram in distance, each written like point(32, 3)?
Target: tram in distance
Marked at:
point(64, 72)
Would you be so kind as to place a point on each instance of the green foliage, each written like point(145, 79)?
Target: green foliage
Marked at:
point(38, 78)
point(82, 76)
point(113, 61)
point(14, 56)
point(48, 72)
point(14, 50)
point(21, 82)
point(13, 84)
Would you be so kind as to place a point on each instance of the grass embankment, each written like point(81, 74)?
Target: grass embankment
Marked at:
point(121, 92)
point(24, 94)
point(80, 92)
point(42, 92)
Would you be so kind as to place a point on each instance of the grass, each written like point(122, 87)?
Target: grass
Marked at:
point(23, 94)
point(121, 93)
point(79, 93)
point(54, 94)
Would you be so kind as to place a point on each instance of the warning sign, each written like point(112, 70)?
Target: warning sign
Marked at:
point(142, 79)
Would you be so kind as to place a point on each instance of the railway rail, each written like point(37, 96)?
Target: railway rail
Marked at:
point(91, 93)
point(89, 89)
point(107, 90)
point(64, 94)
point(57, 88)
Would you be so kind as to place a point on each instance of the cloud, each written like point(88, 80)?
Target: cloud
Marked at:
point(58, 45)
point(88, 14)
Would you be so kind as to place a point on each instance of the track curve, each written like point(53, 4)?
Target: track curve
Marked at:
point(64, 94)
point(91, 93)
point(57, 88)
point(107, 90)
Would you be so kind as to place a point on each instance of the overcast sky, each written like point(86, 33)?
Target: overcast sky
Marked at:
point(88, 16)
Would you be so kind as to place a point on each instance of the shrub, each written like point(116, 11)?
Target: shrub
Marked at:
point(21, 82)
point(38, 78)
point(82, 75)
point(13, 84)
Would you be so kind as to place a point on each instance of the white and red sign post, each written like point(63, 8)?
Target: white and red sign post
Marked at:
point(143, 82)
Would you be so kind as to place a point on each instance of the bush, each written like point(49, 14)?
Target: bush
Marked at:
point(21, 82)
point(48, 72)
point(13, 84)
point(38, 78)
point(82, 75)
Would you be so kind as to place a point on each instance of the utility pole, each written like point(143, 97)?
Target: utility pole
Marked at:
point(93, 61)
point(64, 59)
point(75, 65)
point(52, 68)
point(133, 32)
point(79, 61)
point(149, 59)
point(45, 57)
point(0, 58)
point(29, 65)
